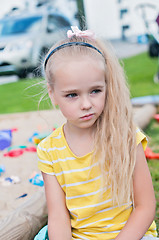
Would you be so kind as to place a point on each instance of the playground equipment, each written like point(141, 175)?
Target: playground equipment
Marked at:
point(153, 37)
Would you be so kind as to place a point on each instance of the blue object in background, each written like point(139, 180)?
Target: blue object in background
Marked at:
point(5, 139)
point(37, 180)
point(43, 234)
point(143, 39)
point(31, 138)
point(9, 179)
point(2, 169)
point(22, 196)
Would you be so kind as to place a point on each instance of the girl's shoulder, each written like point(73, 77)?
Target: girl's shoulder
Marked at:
point(141, 138)
point(51, 139)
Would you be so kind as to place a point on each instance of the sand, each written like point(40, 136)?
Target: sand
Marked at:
point(23, 166)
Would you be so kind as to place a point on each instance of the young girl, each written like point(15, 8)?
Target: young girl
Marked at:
point(97, 181)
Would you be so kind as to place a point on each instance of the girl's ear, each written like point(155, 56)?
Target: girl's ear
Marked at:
point(51, 94)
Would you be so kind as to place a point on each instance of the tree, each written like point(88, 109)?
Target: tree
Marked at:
point(81, 14)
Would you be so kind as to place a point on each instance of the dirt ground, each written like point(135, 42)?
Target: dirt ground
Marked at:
point(24, 165)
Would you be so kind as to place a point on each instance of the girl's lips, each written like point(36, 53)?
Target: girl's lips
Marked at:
point(87, 117)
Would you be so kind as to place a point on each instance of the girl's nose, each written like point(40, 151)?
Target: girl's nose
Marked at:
point(85, 103)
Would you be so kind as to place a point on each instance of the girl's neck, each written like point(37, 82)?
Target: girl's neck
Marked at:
point(78, 132)
point(79, 140)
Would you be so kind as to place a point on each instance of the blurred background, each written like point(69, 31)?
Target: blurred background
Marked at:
point(28, 28)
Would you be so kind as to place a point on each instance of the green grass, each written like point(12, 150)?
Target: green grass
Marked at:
point(140, 71)
point(152, 131)
point(22, 96)
point(154, 169)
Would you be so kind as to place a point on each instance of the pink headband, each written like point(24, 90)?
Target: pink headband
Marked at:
point(78, 33)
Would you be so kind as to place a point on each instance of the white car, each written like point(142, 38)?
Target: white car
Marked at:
point(26, 37)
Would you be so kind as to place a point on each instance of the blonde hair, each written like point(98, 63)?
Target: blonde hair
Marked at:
point(115, 138)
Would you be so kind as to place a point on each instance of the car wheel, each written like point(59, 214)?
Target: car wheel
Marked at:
point(22, 74)
point(153, 49)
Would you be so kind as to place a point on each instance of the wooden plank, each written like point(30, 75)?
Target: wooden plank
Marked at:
point(143, 115)
point(25, 222)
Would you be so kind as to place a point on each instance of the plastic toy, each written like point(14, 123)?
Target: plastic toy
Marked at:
point(2, 169)
point(36, 179)
point(10, 180)
point(156, 117)
point(16, 147)
point(15, 179)
point(6, 138)
point(18, 152)
point(31, 138)
point(37, 137)
point(150, 154)
point(30, 149)
point(14, 153)
point(43, 234)
point(22, 196)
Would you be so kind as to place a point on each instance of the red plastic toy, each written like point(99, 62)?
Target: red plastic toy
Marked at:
point(18, 152)
point(156, 117)
point(150, 154)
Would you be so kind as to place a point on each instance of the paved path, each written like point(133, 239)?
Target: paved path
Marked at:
point(8, 79)
point(126, 49)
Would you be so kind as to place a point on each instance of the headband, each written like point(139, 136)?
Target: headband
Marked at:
point(68, 45)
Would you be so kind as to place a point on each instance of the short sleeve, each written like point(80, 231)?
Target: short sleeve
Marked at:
point(141, 138)
point(44, 161)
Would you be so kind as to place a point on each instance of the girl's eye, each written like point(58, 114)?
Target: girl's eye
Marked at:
point(96, 91)
point(71, 95)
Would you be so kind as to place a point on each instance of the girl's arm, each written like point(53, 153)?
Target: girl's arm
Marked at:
point(59, 224)
point(144, 201)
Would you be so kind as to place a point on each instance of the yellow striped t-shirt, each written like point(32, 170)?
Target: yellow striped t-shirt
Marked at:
point(92, 214)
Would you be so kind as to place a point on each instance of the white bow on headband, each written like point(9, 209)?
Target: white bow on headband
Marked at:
point(78, 33)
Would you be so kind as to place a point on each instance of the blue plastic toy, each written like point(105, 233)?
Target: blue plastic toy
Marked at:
point(5, 139)
point(37, 180)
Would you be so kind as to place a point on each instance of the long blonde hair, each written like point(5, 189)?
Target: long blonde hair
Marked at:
point(115, 138)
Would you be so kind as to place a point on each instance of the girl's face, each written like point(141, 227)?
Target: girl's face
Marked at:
point(79, 90)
